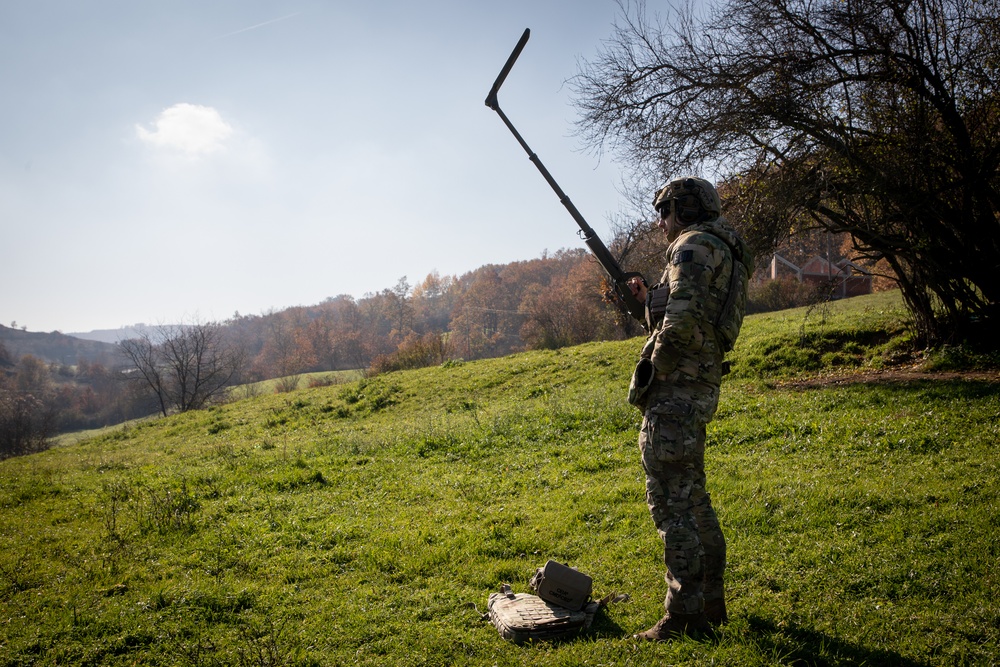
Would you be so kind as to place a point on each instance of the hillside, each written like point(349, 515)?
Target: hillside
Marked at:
point(113, 336)
point(55, 347)
point(355, 524)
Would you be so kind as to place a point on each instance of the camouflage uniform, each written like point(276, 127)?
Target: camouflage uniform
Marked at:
point(688, 361)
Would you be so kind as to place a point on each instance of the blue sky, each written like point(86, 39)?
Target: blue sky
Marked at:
point(165, 162)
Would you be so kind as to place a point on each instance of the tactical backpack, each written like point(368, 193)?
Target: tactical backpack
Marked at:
point(522, 617)
point(729, 319)
point(562, 608)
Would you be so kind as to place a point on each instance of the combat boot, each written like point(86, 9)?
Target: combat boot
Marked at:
point(675, 626)
point(715, 611)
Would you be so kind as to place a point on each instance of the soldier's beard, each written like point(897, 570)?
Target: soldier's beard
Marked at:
point(673, 229)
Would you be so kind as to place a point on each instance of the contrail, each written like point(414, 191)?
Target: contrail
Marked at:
point(254, 27)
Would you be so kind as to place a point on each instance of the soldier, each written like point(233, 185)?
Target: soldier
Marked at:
point(693, 314)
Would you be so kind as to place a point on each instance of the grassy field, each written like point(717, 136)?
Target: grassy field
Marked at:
point(358, 523)
point(277, 385)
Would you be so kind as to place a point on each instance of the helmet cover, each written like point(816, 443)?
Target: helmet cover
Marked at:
point(691, 193)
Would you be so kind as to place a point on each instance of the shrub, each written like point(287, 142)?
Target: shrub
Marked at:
point(415, 351)
point(25, 424)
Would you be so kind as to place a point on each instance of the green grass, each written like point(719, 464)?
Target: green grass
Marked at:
point(871, 331)
point(278, 385)
point(354, 524)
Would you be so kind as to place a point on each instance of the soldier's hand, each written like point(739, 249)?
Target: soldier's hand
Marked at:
point(638, 287)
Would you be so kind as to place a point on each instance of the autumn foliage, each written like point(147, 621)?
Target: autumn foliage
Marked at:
point(549, 302)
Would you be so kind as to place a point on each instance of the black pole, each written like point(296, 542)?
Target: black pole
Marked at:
point(618, 277)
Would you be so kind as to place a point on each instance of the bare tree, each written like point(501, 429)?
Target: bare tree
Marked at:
point(401, 310)
point(287, 352)
point(878, 118)
point(185, 366)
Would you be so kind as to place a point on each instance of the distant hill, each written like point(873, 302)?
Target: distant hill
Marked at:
point(114, 335)
point(56, 347)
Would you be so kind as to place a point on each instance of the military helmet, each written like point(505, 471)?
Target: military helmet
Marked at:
point(696, 199)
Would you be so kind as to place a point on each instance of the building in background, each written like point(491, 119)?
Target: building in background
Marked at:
point(846, 278)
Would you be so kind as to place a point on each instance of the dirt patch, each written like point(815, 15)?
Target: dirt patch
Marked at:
point(891, 376)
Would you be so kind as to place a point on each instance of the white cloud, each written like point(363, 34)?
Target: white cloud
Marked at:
point(189, 128)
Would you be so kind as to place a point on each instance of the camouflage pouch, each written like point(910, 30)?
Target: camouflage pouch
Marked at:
point(642, 378)
point(562, 585)
point(656, 305)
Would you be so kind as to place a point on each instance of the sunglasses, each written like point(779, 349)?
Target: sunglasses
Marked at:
point(664, 208)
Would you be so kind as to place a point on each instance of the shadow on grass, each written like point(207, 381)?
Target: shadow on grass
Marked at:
point(801, 646)
point(604, 627)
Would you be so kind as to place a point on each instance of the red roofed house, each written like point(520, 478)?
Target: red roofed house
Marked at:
point(848, 279)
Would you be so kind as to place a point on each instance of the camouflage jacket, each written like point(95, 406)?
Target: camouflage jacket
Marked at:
point(683, 345)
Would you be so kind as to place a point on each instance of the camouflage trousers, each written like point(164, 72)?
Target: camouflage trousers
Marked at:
point(672, 443)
